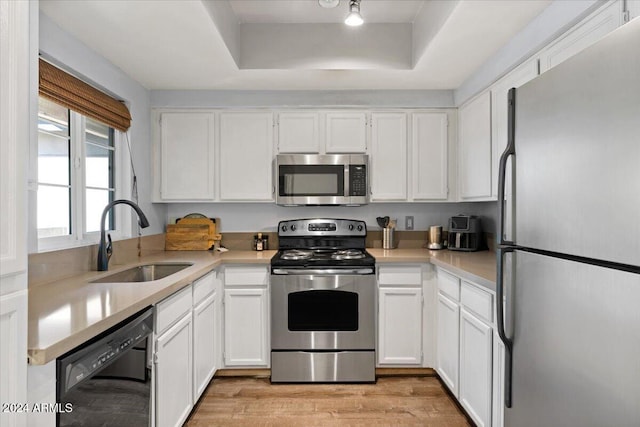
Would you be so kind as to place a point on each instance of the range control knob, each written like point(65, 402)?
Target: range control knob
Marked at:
point(350, 227)
point(284, 228)
point(293, 227)
point(360, 227)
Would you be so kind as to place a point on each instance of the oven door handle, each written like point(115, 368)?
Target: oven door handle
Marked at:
point(321, 272)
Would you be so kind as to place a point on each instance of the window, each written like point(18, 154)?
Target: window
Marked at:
point(76, 174)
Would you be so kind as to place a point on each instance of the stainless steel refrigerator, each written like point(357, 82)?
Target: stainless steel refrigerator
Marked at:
point(569, 264)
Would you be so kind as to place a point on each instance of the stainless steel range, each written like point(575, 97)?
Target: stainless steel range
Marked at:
point(323, 302)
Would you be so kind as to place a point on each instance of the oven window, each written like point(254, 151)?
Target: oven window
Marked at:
point(323, 311)
point(311, 180)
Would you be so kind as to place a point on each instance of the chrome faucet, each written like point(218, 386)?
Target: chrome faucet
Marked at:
point(104, 250)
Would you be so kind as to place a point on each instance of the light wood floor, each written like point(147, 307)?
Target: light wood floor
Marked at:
point(392, 401)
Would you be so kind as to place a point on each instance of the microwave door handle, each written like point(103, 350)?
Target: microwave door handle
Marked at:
point(288, 184)
point(347, 191)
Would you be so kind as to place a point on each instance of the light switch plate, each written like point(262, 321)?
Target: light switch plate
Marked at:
point(408, 223)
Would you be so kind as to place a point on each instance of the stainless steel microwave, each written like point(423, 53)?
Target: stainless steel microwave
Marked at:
point(330, 179)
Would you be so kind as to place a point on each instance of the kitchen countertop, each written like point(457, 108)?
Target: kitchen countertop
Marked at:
point(478, 267)
point(66, 313)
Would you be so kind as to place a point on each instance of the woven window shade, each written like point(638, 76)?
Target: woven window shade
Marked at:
point(76, 95)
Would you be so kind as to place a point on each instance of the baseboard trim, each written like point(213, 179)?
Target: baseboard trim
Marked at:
point(380, 372)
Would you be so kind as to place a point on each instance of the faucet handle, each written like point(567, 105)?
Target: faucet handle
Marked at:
point(109, 246)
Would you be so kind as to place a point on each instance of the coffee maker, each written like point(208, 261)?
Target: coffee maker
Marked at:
point(465, 233)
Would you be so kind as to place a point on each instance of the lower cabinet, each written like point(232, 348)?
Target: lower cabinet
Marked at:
point(475, 368)
point(465, 345)
point(207, 329)
point(173, 374)
point(246, 317)
point(187, 348)
point(448, 338)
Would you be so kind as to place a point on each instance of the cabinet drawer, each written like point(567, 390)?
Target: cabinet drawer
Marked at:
point(449, 284)
point(477, 300)
point(203, 287)
point(172, 308)
point(242, 276)
point(400, 275)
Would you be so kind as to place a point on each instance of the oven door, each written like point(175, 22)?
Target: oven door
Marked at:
point(323, 312)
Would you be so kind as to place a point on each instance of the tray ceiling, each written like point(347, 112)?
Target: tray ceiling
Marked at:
point(294, 44)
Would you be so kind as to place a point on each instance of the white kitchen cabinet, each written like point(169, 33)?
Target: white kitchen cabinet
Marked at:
point(475, 386)
point(499, 116)
point(205, 325)
point(584, 34)
point(429, 142)
point(14, 145)
point(187, 155)
point(246, 317)
point(400, 305)
point(173, 374)
point(246, 155)
point(298, 132)
point(388, 162)
point(345, 132)
point(474, 149)
point(400, 326)
point(497, 416)
point(447, 336)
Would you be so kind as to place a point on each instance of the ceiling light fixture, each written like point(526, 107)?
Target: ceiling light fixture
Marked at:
point(328, 4)
point(354, 18)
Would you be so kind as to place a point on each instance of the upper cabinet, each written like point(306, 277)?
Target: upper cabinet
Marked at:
point(388, 162)
point(597, 25)
point(500, 113)
point(187, 156)
point(430, 145)
point(298, 132)
point(346, 132)
point(423, 137)
point(246, 152)
point(474, 145)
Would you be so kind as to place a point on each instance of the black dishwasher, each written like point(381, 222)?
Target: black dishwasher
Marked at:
point(107, 381)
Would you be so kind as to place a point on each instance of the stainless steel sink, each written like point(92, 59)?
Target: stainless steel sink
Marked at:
point(144, 273)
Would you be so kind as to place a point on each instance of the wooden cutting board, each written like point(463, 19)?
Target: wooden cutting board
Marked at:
point(187, 237)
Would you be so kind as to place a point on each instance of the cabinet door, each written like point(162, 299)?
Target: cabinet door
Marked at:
point(298, 132)
point(246, 153)
point(583, 35)
point(498, 382)
point(204, 345)
point(388, 157)
point(499, 114)
point(474, 155)
point(475, 368)
point(174, 375)
point(187, 156)
point(246, 339)
point(448, 334)
point(346, 132)
point(429, 139)
point(400, 326)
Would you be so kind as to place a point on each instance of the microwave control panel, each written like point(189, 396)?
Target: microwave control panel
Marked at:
point(357, 180)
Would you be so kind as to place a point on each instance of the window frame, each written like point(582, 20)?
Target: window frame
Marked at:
point(122, 177)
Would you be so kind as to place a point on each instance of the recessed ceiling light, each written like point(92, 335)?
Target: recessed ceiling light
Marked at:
point(354, 18)
point(328, 4)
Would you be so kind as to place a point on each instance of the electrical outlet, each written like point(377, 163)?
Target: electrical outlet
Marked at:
point(408, 223)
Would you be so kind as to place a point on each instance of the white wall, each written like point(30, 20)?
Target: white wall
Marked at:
point(253, 217)
point(558, 17)
point(61, 48)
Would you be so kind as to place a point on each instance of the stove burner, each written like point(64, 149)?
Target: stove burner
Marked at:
point(296, 254)
point(348, 254)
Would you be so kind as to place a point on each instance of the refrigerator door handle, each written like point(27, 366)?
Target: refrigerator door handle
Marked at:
point(508, 342)
point(509, 151)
